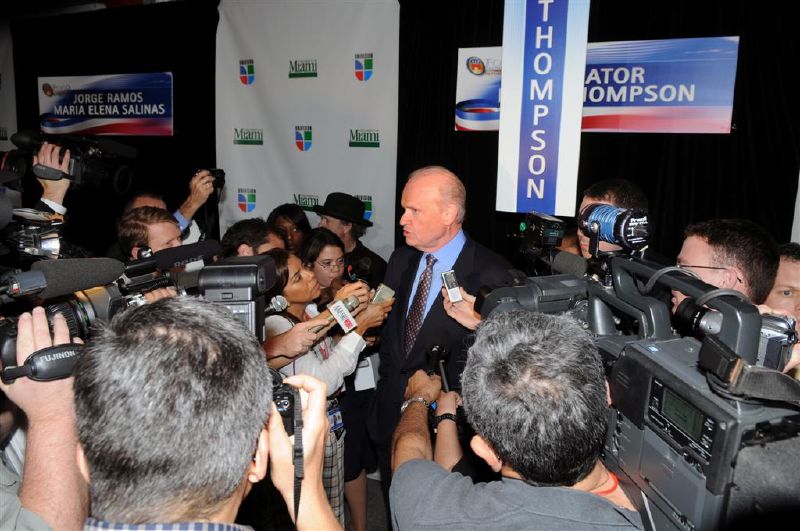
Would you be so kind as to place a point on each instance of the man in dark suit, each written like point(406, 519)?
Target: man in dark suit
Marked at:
point(433, 204)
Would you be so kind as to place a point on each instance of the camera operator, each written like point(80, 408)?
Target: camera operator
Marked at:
point(619, 193)
point(49, 492)
point(534, 391)
point(730, 253)
point(250, 237)
point(784, 298)
point(147, 229)
point(192, 450)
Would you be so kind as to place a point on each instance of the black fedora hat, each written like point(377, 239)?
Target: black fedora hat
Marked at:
point(345, 207)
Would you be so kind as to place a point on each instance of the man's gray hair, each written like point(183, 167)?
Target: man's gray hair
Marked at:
point(170, 399)
point(452, 192)
point(534, 388)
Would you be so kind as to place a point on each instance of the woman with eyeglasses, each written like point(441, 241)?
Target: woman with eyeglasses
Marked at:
point(329, 358)
point(323, 254)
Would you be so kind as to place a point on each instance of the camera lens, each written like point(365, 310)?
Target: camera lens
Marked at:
point(693, 320)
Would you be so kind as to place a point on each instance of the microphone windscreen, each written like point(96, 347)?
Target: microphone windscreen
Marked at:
point(569, 263)
point(183, 254)
point(76, 274)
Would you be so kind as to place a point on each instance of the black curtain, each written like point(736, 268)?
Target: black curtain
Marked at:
point(751, 173)
point(177, 37)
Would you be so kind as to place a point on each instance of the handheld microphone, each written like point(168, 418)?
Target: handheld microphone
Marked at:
point(277, 304)
point(64, 277)
point(173, 257)
point(361, 270)
point(351, 303)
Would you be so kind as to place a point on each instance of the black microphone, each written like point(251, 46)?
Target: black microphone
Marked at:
point(361, 271)
point(172, 257)
point(572, 264)
point(76, 274)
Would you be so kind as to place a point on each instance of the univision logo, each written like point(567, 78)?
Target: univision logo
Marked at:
point(246, 199)
point(303, 68)
point(248, 137)
point(365, 138)
point(247, 71)
point(363, 69)
point(302, 137)
point(306, 202)
point(367, 200)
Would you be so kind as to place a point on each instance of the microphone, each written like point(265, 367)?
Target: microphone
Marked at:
point(572, 264)
point(361, 271)
point(351, 303)
point(277, 304)
point(64, 277)
point(173, 257)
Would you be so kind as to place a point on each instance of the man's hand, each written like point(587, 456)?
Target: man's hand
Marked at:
point(47, 155)
point(424, 385)
point(314, 508)
point(464, 311)
point(200, 188)
point(160, 293)
point(40, 400)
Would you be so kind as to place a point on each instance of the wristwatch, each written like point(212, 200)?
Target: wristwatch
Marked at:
point(412, 400)
point(443, 416)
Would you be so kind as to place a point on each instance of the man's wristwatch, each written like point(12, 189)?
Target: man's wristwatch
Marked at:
point(412, 400)
point(443, 416)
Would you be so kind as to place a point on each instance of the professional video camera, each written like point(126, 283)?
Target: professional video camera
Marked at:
point(94, 161)
point(695, 421)
point(62, 284)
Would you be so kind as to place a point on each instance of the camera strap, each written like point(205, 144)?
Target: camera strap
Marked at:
point(50, 363)
point(299, 470)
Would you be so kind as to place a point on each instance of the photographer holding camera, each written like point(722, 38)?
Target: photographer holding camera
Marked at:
point(49, 491)
point(534, 390)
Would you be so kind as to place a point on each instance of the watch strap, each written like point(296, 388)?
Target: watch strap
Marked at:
point(444, 416)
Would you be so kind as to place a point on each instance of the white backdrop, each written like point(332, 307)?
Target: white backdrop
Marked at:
point(291, 67)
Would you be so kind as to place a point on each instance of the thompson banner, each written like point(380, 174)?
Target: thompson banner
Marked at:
point(478, 89)
point(121, 104)
point(306, 105)
point(544, 51)
point(660, 86)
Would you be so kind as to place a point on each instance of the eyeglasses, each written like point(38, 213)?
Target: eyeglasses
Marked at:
point(332, 264)
point(689, 268)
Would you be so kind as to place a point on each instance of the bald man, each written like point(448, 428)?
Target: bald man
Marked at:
point(434, 206)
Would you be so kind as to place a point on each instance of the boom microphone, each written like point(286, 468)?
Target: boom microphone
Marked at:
point(173, 257)
point(571, 264)
point(76, 274)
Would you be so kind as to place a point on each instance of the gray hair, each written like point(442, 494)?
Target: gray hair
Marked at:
point(452, 192)
point(534, 388)
point(170, 399)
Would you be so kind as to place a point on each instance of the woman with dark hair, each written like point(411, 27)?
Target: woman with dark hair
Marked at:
point(323, 254)
point(328, 359)
point(293, 221)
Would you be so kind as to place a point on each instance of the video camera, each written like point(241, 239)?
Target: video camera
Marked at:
point(695, 421)
point(94, 161)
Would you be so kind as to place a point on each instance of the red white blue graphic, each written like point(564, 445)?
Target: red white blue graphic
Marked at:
point(246, 199)
point(124, 104)
point(302, 137)
point(660, 86)
point(363, 68)
point(247, 71)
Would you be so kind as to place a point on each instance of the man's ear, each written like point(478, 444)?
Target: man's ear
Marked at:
point(484, 450)
point(735, 279)
point(83, 466)
point(244, 250)
point(135, 252)
point(258, 468)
